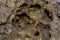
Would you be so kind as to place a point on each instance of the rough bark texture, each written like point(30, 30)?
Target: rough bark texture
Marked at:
point(29, 19)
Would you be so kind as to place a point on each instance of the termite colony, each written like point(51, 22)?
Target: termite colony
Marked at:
point(33, 20)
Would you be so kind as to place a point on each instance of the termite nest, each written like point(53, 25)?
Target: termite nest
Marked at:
point(33, 20)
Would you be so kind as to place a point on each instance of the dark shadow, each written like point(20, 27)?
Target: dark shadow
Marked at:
point(47, 13)
point(46, 2)
point(36, 34)
point(21, 15)
point(58, 16)
point(49, 35)
point(24, 4)
point(36, 6)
